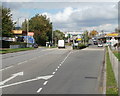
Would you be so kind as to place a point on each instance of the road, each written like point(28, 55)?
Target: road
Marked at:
point(52, 71)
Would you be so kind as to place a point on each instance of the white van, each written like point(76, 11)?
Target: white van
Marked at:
point(61, 44)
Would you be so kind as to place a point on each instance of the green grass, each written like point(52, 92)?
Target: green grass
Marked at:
point(3, 51)
point(117, 54)
point(48, 46)
point(111, 84)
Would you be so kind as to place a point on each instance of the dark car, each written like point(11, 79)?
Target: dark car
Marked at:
point(95, 43)
point(35, 45)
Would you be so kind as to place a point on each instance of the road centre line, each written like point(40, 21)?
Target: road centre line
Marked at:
point(45, 82)
point(39, 90)
point(53, 73)
point(56, 69)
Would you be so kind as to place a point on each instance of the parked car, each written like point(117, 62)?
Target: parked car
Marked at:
point(100, 45)
point(95, 43)
point(35, 45)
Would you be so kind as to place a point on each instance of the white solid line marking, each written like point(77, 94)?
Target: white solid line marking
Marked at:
point(9, 67)
point(2, 69)
point(45, 82)
point(39, 90)
point(53, 73)
point(22, 62)
point(12, 77)
point(6, 68)
point(30, 80)
point(56, 69)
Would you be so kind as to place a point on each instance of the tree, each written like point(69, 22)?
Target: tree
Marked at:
point(85, 37)
point(58, 35)
point(117, 30)
point(24, 25)
point(93, 33)
point(42, 28)
point(7, 22)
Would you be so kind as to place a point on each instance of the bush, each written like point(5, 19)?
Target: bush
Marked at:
point(5, 44)
point(81, 46)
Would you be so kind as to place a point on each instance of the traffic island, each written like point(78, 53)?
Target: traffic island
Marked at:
point(80, 46)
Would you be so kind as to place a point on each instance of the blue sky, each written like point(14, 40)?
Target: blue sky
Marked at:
point(70, 16)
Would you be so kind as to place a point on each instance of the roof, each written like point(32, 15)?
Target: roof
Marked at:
point(112, 35)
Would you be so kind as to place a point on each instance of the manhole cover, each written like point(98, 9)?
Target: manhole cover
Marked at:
point(91, 77)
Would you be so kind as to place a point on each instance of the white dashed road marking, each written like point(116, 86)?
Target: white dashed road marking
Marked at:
point(56, 69)
point(45, 82)
point(53, 73)
point(39, 90)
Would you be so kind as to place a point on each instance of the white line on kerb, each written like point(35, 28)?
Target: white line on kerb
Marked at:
point(45, 82)
point(53, 73)
point(39, 90)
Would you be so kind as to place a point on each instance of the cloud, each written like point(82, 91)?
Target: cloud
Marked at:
point(87, 17)
point(72, 16)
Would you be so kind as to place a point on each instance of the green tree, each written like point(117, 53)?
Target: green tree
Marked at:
point(7, 22)
point(24, 25)
point(42, 28)
point(85, 37)
point(58, 35)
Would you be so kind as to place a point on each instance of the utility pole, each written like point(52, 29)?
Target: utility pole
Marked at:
point(52, 35)
point(27, 30)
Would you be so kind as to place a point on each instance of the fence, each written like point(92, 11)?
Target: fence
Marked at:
point(114, 61)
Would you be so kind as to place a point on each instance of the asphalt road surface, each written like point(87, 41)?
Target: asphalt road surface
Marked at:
point(52, 71)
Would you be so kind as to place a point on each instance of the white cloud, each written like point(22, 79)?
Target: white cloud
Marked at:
point(74, 16)
point(92, 17)
point(19, 17)
point(104, 27)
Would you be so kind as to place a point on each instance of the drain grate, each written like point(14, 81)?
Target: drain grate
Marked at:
point(91, 77)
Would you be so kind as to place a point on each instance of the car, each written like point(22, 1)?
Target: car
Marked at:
point(35, 45)
point(95, 43)
point(100, 45)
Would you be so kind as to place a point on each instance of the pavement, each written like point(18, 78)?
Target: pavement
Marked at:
point(52, 71)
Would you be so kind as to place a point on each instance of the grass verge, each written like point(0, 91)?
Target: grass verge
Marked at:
point(111, 85)
point(4, 51)
point(117, 54)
